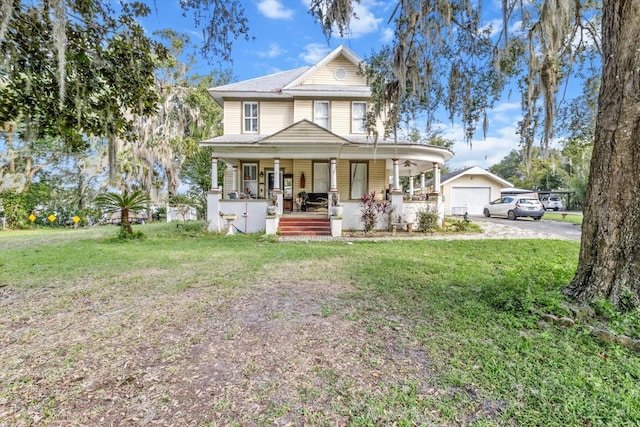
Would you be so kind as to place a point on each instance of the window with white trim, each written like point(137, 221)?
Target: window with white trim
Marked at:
point(359, 177)
point(250, 179)
point(321, 113)
point(250, 117)
point(358, 116)
point(320, 177)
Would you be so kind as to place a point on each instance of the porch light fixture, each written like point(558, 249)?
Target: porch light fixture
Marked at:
point(261, 174)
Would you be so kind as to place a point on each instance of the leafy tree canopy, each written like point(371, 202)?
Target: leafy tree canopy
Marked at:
point(445, 55)
point(77, 68)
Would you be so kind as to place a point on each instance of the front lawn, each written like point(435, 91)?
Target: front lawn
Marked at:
point(182, 328)
point(571, 218)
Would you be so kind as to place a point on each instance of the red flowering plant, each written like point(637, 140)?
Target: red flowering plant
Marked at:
point(371, 210)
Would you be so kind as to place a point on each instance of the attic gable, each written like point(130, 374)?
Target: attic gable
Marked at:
point(338, 68)
point(336, 72)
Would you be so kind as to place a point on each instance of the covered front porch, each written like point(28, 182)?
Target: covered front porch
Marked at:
point(263, 214)
point(249, 215)
point(306, 168)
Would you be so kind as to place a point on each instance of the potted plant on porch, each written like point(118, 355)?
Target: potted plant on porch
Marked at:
point(272, 207)
point(336, 207)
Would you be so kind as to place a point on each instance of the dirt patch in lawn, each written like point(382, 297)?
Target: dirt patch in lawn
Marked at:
point(278, 352)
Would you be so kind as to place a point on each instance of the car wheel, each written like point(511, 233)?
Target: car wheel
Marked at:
point(511, 215)
point(486, 212)
point(537, 218)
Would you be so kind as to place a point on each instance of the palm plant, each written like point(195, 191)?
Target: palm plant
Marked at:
point(125, 203)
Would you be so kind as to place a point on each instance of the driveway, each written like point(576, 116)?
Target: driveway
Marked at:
point(493, 228)
point(527, 227)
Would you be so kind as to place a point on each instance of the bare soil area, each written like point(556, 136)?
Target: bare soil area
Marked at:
point(280, 352)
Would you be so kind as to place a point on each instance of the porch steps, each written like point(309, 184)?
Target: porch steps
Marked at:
point(305, 226)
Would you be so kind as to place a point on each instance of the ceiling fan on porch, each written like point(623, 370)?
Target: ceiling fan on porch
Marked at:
point(409, 163)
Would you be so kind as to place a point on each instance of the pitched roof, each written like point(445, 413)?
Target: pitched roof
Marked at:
point(287, 83)
point(290, 134)
point(311, 131)
point(473, 170)
point(260, 86)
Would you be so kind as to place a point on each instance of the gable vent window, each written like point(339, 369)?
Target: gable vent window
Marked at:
point(340, 74)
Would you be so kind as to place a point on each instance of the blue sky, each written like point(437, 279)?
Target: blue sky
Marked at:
point(286, 37)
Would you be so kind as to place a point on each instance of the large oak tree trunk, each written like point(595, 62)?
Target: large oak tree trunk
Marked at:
point(609, 263)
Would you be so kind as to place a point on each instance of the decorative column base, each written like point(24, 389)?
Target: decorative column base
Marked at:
point(336, 226)
point(271, 226)
point(213, 210)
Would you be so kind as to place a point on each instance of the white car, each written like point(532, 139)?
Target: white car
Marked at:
point(552, 202)
point(515, 206)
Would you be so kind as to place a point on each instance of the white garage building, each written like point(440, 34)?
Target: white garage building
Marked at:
point(468, 190)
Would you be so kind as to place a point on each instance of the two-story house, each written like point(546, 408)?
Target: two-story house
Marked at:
point(297, 139)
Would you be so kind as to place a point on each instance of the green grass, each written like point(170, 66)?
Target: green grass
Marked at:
point(571, 218)
point(433, 332)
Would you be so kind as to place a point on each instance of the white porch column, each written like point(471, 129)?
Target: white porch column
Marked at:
point(334, 176)
point(277, 191)
point(276, 175)
point(411, 185)
point(234, 184)
point(214, 173)
point(396, 176)
point(213, 198)
point(436, 178)
point(422, 183)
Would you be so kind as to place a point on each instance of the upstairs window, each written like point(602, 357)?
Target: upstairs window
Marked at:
point(358, 115)
point(321, 113)
point(250, 117)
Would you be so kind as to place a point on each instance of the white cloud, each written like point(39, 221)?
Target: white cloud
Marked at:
point(366, 21)
point(387, 35)
point(506, 112)
point(274, 9)
point(314, 52)
point(496, 27)
point(481, 152)
point(274, 51)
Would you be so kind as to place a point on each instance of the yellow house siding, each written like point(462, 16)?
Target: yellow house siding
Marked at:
point(340, 119)
point(325, 76)
point(377, 177)
point(380, 125)
point(232, 117)
point(343, 171)
point(275, 116)
point(300, 167)
point(303, 109)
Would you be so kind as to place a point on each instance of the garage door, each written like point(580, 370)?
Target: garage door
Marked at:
point(469, 199)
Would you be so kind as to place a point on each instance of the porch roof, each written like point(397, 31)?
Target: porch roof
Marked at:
point(307, 140)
